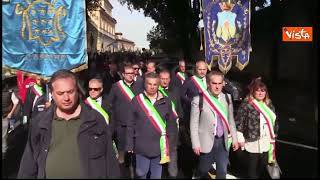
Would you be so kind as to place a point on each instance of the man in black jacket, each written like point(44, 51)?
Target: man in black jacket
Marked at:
point(189, 90)
point(120, 97)
point(181, 75)
point(68, 140)
point(171, 91)
point(110, 76)
point(151, 127)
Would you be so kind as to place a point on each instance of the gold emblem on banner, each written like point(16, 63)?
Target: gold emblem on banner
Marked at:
point(41, 21)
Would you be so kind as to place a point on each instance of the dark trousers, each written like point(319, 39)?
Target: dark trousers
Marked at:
point(218, 154)
point(257, 163)
point(144, 164)
point(121, 132)
point(173, 165)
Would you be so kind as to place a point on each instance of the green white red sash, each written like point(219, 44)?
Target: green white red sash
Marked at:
point(214, 103)
point(181, 76)
point(37, 90)
point(270, 118)
point(173, 105)
point(198, 83)
point(158, 123)
point(125, 90)
point(96, 106)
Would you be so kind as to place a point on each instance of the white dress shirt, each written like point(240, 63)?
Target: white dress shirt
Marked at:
point(99, 100)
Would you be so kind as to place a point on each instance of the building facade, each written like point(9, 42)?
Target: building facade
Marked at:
point(101, 36)
point(123, 44)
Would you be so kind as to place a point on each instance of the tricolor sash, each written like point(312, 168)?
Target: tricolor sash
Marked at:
point(181, 76)
point(125, 90)
point(199, 84)
point(215, 105)
point(158, 123)
point(173, 105)
point(37, 90)
point(270, 118)
point(95, 105)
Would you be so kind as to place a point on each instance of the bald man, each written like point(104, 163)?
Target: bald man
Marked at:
point(192, 87)
point(181, 75)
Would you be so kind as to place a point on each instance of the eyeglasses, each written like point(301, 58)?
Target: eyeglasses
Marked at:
point(129, 73)
point(95, 89)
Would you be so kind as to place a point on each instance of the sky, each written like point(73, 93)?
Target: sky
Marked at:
point(133, 25)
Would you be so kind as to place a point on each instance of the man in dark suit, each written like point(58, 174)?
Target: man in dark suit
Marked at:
point(150, 126)
point(110, 76)
point(172, 92)
point(181, 75)
point(190, 90)
point(95, 91)
point(137, 75)
point(120, 97)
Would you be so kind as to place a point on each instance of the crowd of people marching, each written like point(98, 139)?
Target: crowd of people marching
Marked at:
point(137, 120)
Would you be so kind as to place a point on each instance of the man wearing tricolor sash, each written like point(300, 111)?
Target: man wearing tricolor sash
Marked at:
point(181, 75)
point(120, 97)
point(169, 90)
point(98, 100)
point(188, 91)
point(257, 128)
point(151, 127)
point(212, 128)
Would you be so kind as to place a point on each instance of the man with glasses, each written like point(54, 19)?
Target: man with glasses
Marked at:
point(120, 97)
point(95, 91)
point(137, 75)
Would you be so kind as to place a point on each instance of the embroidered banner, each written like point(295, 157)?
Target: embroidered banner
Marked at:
point(44, 36)
point(227, 33)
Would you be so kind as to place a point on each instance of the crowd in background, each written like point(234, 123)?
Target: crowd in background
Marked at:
point(158, 118)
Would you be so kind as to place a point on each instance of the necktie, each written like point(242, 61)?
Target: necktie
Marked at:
point(219, 131)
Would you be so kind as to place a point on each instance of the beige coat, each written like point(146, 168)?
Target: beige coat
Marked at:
point(202, 128)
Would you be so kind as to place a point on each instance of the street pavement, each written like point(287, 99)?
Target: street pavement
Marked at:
point(294, 161)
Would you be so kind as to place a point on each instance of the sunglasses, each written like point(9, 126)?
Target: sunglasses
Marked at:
point(129, 73)
point(95, 89)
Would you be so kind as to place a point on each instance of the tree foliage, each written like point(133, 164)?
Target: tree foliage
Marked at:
point(177, 28)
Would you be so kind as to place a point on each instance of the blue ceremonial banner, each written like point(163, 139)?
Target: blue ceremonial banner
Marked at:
point(227, 33)
point(43, 36)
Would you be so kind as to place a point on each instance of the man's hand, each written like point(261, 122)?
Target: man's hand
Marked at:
point(197, 151)
point(130, 151)
point(235, 146)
